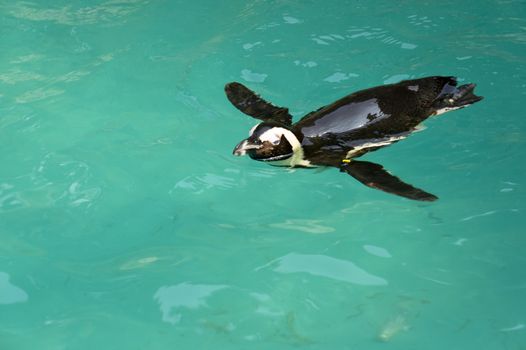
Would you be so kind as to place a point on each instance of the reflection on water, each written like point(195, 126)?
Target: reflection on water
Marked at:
point(325, 266)
point(248, 75)
point(517, 327)
point(9, 293)
point(378, 251)
point(183, 295)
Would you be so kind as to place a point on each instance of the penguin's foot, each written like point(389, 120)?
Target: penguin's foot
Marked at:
point(455, 98)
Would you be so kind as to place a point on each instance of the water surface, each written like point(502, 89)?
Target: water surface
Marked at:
point(126, 223)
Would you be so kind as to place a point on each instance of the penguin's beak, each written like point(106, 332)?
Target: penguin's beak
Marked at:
point(242, 148)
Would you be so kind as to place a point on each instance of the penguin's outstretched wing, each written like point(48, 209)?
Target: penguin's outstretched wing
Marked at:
point(251, 104)
point(375, 176)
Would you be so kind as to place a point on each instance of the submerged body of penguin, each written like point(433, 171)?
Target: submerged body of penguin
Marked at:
point(336, 134)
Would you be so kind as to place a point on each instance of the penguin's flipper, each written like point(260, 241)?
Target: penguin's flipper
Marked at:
point(375, 176)
point(251, 104)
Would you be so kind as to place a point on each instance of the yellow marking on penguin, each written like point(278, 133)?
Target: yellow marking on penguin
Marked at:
point(346, 160)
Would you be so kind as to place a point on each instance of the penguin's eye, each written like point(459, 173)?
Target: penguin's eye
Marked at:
point(276, 142)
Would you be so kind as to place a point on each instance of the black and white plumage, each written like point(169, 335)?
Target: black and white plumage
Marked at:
point(361, 122)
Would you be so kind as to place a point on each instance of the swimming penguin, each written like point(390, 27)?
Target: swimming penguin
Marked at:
point(336, 134)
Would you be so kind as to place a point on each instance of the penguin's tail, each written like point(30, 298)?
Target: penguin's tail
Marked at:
point(452, 97)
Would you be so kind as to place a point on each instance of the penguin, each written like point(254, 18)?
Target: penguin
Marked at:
point(337, 134)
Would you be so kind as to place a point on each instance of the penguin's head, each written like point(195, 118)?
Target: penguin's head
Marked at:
point(266, 142)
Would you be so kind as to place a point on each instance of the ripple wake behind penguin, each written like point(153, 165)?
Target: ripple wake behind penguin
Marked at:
point(336, 134)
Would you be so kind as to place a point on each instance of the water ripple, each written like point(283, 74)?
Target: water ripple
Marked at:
point(51, 86)
point(55, 179)
point(109, 12)
point(363, 33)
point(16, 75)
point(339, 76)
point(467, 218)
point(308, 226)
point(308, 64)
point(421, 21)
point(291, 20)
point(27, 58)
point(250, 46)
point(200, 184)
point(38, 94)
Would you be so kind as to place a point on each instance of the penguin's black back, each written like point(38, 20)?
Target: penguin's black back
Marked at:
point(375, 113)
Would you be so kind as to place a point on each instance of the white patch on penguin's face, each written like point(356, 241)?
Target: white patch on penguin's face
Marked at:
point(252, 130)
point(273, 135)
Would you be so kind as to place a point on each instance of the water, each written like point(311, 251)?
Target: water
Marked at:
point(125, 222)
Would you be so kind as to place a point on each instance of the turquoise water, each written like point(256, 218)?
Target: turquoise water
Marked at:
point(125, 222)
